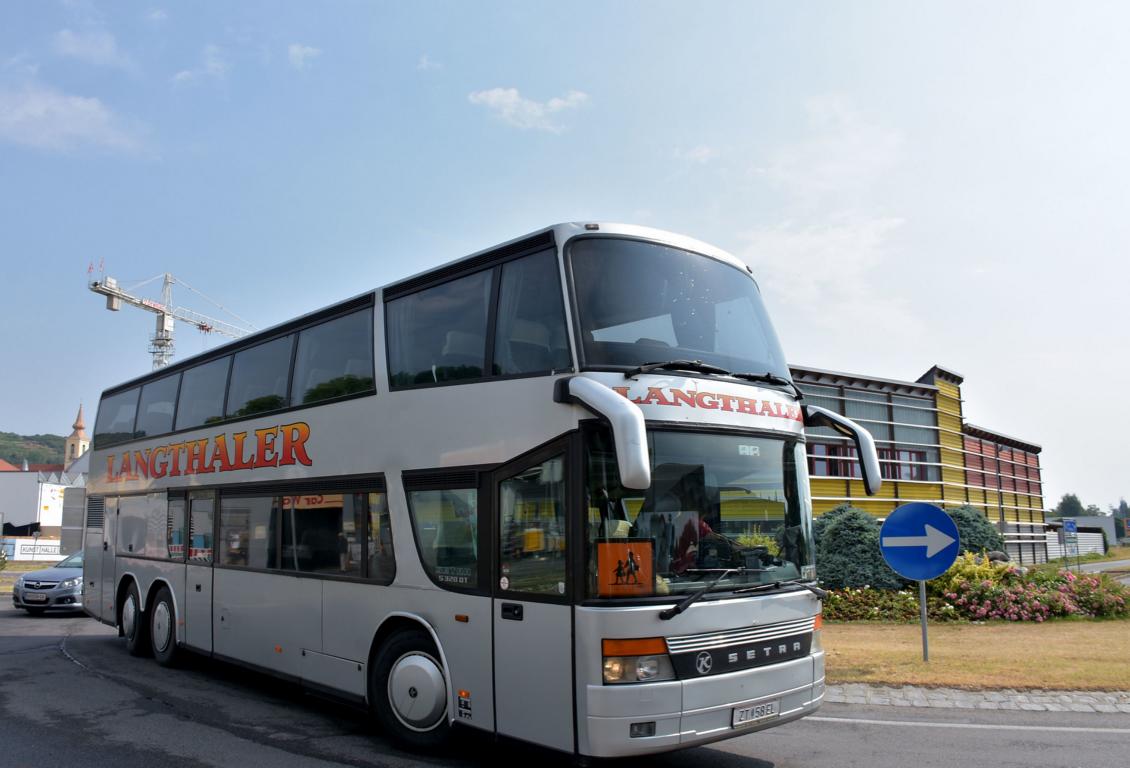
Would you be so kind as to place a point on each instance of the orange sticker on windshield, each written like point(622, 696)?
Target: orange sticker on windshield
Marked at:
point(625, 568)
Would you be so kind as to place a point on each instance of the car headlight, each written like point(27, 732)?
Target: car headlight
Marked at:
point(19, 581)
point(636, 661)
point(71, 583)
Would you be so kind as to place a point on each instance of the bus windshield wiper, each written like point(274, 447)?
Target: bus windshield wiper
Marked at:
point(771, 378)
point(810, 586)
point(677, 365)
point(695, 596)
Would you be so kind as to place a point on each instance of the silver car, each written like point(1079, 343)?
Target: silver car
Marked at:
point(57, 588)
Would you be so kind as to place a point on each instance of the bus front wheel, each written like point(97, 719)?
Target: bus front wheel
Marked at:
point(408, 691)
point(134, 626)
point(162, 629)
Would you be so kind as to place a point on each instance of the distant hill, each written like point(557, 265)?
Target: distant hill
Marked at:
point(37, 449)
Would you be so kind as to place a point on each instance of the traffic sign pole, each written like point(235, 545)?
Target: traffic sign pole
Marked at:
point(922, 611)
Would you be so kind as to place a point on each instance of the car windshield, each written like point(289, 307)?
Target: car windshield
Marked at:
point(73, 561)
point(716, 502)
point(641, 302)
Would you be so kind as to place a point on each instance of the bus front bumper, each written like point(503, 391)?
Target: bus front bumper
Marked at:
point(689, 713)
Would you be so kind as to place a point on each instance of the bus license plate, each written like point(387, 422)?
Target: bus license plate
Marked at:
point(31, 597)
point(756, 713)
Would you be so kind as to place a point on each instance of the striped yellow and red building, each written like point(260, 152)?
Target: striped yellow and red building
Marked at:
point(927, 452)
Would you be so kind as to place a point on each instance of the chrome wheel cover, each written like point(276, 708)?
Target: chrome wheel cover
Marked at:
point(162, 626)
point(129, 616)
point(417, 692)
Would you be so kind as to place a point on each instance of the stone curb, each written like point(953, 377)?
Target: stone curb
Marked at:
point(956, 698)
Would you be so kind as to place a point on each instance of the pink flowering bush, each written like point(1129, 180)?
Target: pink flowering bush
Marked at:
point(974, 589)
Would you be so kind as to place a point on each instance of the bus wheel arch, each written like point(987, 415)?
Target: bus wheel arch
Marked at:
point(162, 624)
point(409, 684)
point(132, 621)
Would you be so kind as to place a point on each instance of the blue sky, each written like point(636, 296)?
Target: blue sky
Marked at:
point(912, 183)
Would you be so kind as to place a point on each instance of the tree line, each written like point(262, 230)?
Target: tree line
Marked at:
point(1071, 506)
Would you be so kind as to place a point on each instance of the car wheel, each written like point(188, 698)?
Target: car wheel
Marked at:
point(133, 623)
point(163, 629)
point(409, 693)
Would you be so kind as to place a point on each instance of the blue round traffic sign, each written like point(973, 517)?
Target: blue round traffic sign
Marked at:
point(919, 541)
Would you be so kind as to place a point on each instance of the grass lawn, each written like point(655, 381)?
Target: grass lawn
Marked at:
point(1063, 655)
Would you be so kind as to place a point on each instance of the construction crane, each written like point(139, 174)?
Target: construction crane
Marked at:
point(161, 342)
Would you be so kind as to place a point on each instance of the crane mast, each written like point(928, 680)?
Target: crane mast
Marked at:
point(161, 344)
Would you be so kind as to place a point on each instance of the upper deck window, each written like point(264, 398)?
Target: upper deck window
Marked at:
point(259, 378)
point(531, 335)
point(201, 398)
point(640, 302)
point(439, 334)
point(334, 359)
point(115, 418)
point(158, 403)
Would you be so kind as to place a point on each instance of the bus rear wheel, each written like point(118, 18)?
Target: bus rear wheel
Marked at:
point(162, 629)
point(133, 623)
point(408, 691)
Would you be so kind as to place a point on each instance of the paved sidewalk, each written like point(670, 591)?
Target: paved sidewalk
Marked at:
point(955, 698)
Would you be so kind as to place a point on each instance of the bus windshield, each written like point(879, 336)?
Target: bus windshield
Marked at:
point(641, 302)
point(716, 502)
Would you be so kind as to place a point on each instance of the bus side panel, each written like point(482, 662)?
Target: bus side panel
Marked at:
point(266, 619)
point(466, 645)
point(109, 562)
point(92, 572)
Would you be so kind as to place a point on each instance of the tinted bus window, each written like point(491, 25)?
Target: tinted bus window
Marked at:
point(248, 531)
point(446, 526)
point(334, 359)
point(439, 334)
point(115, 418)
point(531, 334)
point(259, 378)
point(322, 533)
point(202, 394)
point(200, 529)
point(158, 403)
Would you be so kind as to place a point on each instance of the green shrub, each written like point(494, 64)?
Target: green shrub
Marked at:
point(3, 559)
point(847, 552)
point(976, 532)
point(870, 604)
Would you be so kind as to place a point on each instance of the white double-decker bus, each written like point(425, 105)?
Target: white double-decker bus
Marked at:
point(556, 490)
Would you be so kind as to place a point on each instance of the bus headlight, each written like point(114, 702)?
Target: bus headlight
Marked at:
point(817, 632)
point(636, 661)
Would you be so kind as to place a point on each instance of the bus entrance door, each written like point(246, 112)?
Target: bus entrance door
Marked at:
point(533, 672)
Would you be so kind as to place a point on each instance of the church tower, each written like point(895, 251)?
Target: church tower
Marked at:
point(77, 442)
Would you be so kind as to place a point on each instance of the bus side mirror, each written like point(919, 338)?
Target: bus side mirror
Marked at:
point(629, 431)
point(815, 416)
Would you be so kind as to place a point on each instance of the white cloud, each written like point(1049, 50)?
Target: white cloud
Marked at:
point(212, 64)
point(512, 108)
point(425, 64)
point(157, 15)
point(828, 275)
point(45, 118)
point(302, 55)
point(95, 46)
point(701, 154)
point(843, 156)
point(20, 65)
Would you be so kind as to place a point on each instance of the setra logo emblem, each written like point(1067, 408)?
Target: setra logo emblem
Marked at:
point(703, 662)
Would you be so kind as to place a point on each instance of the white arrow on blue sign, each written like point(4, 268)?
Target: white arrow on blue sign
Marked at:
point(919, 541)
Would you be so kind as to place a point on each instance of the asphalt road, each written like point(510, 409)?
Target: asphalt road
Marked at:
point(71, 696)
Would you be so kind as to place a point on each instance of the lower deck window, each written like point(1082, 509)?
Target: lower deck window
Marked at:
point(334, 534)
